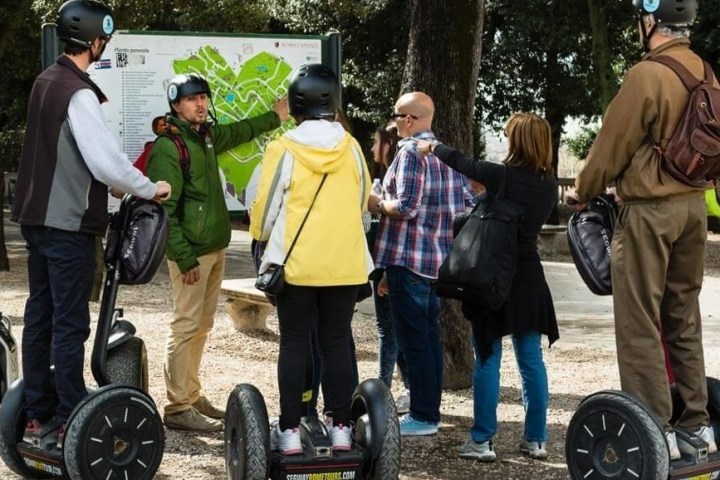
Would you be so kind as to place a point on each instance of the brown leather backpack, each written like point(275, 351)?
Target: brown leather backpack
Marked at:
point(692, 155)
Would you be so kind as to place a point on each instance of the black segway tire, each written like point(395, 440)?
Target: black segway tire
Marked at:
point(12, 426)
point(127, 364)
point(247, 435)
point(713, 386)
point(377, 429)
point(613, 435)
point(115, 432)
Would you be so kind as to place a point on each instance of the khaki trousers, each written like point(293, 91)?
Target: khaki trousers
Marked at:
point(658, 254)
point(194, 312)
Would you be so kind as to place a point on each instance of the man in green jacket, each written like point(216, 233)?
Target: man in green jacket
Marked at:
point(199, 235)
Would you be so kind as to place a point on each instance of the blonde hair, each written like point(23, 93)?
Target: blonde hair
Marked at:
point(529, 143)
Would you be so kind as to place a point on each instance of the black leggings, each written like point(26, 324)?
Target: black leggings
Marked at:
point(330, 309)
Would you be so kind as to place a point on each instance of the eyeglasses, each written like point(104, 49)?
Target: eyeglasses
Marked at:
point(403, 115)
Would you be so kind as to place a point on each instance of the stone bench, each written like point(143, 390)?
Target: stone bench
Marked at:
point(248, 307)
point(552, 242)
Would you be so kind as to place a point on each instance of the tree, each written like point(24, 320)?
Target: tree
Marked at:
point(705, 36)
point(375, 38)
point(537, 59)
point(20, 57)
point(450, 79)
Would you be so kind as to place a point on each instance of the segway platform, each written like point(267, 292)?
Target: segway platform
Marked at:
point(375, 453)
point(318, 459)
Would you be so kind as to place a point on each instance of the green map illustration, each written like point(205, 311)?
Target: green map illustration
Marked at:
point(249, 92)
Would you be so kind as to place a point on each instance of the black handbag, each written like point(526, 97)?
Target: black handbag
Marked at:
point(272, 280)
point(481, 264)
point(589, 234)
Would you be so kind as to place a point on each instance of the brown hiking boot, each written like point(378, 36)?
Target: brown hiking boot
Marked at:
point(192, 420)
point(204, 406)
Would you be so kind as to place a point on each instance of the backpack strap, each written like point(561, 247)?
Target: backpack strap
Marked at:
point(687, 78)
point(183, 152)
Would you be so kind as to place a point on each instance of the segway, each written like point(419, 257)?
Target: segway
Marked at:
point(9, 371)
point(116, 431)
point(375, 453)
point(613, 435)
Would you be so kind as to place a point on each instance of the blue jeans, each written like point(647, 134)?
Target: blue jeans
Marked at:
point(388, 354)
point(57, 320)
point(486, 388)
point(415, 309)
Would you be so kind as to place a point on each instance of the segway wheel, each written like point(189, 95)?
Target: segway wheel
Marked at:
point(377, 429)
point(127, 364)
point(247, 435)
point(116, 432)
point(613, 435)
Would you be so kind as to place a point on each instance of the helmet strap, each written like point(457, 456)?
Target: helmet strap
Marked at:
point(646, 35)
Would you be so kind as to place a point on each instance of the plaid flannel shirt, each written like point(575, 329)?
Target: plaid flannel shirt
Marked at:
point(430, 194)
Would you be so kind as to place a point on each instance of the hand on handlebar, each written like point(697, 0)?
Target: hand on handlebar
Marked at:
point(163, 191)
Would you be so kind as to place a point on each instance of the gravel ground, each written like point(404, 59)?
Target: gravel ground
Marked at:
point(576, 368)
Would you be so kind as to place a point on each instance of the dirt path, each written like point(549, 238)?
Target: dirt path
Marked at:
point(581, 363)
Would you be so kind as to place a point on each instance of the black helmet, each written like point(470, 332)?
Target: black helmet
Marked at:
point(668, 12)
point(314, 92)
point(82, 21)
point(185, 85)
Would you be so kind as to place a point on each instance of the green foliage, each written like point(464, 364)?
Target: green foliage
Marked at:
point(10, 146)
point(580, 144)
point(374, 40)
point(537, 57)
point(20, 58)
point(705, 35)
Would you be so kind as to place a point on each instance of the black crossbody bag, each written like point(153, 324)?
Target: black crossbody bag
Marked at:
point(272, 280)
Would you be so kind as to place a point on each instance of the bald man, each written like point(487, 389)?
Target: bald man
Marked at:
point(421, 198)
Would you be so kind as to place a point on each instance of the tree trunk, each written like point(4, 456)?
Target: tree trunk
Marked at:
point(602, 67)
point(556, 119)
point(4, 260)
point(443, 61)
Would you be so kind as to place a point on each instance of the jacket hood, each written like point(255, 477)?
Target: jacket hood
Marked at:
point(319, 145)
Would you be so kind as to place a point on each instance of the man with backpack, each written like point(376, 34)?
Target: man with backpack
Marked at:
point(658, 247)
point(186, 157)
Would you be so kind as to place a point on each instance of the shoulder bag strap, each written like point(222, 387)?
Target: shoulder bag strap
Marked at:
point(304, 220)
point(687, 78)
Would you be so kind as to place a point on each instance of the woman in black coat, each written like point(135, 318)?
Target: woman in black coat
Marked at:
point(529, 312)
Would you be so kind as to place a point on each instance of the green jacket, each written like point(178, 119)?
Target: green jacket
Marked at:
point(199, 219)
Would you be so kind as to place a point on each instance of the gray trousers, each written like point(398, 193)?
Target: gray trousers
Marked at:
point(658, 254)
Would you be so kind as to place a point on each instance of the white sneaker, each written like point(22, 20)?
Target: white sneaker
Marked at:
point(535, 450)
point(473, 450)
point(286, 441)
point(707, 434)
point(402, 402)
point(671, 439)
point(341, 438)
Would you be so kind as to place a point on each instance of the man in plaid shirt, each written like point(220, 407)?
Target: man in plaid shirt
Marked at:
point(421, 197)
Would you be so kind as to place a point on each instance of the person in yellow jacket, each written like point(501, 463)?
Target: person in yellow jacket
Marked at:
point(314, 186)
